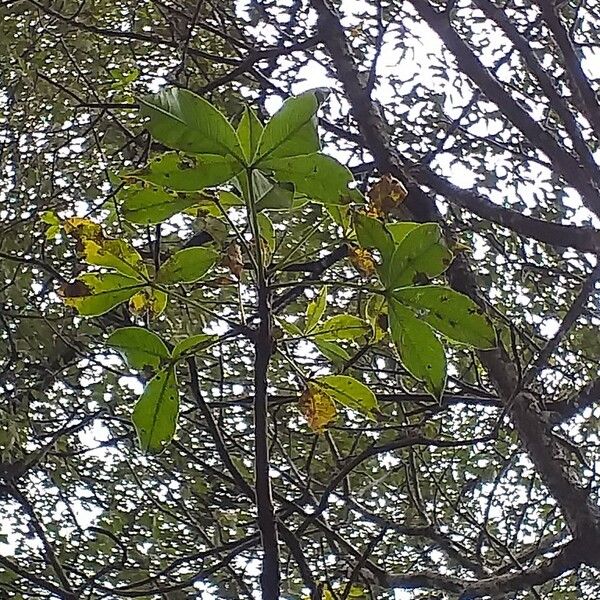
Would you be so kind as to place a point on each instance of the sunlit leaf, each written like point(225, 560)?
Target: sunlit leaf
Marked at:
point(318, 176)
point(315, 310)
point(183, 121)
point(249, 132)
point(350, 392)
point(342, 327)
point(317, 406)
point(149, 205)
point(180, 172)
point(421, 254)
point(115, 254)
point(140, 347)
point(93, 294)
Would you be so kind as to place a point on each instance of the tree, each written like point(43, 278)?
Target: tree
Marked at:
point(299, 301)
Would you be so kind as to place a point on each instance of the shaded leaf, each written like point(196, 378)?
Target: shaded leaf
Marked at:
point(155, 413)
point(193, 344)
point(115, 254)
point(451, 313)
point(420, 351)
point(372, 233)
point(186, 266)
point(342, 327)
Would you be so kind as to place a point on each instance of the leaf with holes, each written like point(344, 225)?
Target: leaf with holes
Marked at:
point(421, 254)
point(185, 173)
point(317, 176)
point(139, 347)
point(451, 313)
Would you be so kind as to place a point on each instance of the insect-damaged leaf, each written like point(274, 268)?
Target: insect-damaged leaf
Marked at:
point(451, 313)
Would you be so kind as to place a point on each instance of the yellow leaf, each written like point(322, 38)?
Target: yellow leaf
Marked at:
point(362, 260)
point(83, 229)
point(317, 407)
point(148, 301)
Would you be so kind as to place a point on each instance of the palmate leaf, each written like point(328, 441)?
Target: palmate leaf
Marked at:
point(155, 413)
point(420, 351)
point(183, 121)
point(451, 313)
point(292, 130)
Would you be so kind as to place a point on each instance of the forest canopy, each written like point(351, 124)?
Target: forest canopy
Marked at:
point(299, 299)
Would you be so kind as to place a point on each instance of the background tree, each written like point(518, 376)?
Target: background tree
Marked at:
point(488, 114)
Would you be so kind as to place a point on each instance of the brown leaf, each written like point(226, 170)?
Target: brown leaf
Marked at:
point(76, 289)
point(386, 196)
point(233, 260)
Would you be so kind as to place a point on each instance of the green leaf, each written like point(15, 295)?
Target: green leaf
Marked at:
point(420, 351)
point(372, 233)
point(94, 294)
point(249, 132)
point(183, 121)
point(342, 327)
point(350, 392)
point(400, 230)
point(421, 254)
point(292, 130)
point(279, 197)
point(139, 347)
point(290, 328)
point(115, 254)
point(332, 351)
point(315, 310)
point(451, 313)
point(151, 205)
point(267, 231)
point(186, 173)
point(318, 176)
point(186, 266)
point(193, 345)
point(155, 413)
